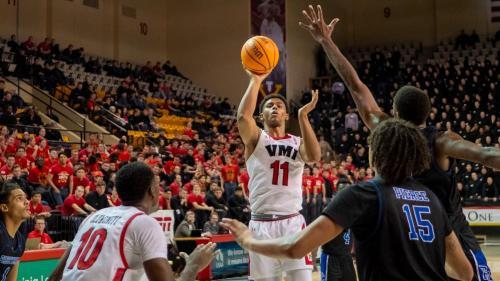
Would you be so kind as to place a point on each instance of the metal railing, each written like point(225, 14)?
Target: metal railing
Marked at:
point(34, 129)
point(49, 101)
point(112, 122)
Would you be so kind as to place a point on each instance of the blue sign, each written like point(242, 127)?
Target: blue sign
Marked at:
point(233, 260)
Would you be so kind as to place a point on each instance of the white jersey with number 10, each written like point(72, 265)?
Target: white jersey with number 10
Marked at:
point(113, 243)
point(275, 169)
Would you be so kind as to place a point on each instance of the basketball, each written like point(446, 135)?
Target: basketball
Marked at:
point(259, 54)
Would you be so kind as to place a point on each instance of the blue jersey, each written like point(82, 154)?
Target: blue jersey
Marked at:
point(11, 249)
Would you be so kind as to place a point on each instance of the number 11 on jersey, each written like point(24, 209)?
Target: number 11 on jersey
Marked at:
point(276, 166)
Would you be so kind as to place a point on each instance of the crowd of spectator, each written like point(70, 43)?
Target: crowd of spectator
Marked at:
point(198, 176)
point(463, 101)
point(127, 104)
point(201, 174)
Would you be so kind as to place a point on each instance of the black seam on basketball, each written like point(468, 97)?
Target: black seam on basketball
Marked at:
point(254, 70)
point(250, 55)
point(265, 53)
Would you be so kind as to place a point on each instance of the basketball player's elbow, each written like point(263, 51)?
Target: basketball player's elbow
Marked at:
point(243, 117)
point(292, 250)
point(316, 156)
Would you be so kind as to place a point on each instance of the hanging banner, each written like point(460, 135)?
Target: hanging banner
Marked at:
point(268, 19)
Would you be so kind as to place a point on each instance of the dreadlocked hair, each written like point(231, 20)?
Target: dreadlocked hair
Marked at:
point(399, 150)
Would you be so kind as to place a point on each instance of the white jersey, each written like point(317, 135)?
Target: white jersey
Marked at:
point(275, 169)
point(113, 243)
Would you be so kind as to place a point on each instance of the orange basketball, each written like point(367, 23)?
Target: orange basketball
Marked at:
point(259, 54)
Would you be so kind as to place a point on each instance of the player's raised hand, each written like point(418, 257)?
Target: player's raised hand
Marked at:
point(257, 77)
point(316, 25)
point(304, 110)
point(240, 231)
point(201, 257)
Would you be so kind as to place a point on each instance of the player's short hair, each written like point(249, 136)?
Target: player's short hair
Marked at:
point(133, 182)
point(412, 104)
point(399, 150)
point(6, 190)
point(273, 96)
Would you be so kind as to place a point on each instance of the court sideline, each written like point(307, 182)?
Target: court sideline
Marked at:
point(491, 250)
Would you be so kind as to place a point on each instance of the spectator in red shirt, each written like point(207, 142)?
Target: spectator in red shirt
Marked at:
point(189, 131)
point(29, 46)
point(22, 160)
point(196, 202)
point(125, 152)
point(42, 150)
point(229, 176)
point(243, 181)
point(36, 206)
point(165, 200)
point(75, 204)
point(84, 154)
point(152, 159)
point(53, 158)
point(41, 135)
point(171, 164)
point(61, 179)
point(348, 164)
point(74, 159)
point(45, 48)
point(114, 199)
point(37, 175)
point(98, 178)
point(369, 174)
point(39, 231)
point(81, 179)
point(31, 149)
point(176, 185)
point(11, 147)
point(319, 184)
point(45, 240)
point(8, 168)
point(189, 186)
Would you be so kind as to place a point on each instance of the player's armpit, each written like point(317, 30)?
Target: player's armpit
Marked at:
point(457, 265)
point(450, 144)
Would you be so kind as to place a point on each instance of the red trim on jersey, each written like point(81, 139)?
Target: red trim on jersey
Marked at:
point(121, 271)
point(287, 136)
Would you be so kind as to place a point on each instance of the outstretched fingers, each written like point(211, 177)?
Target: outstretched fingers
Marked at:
point(333, 22)
point(313, 14)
